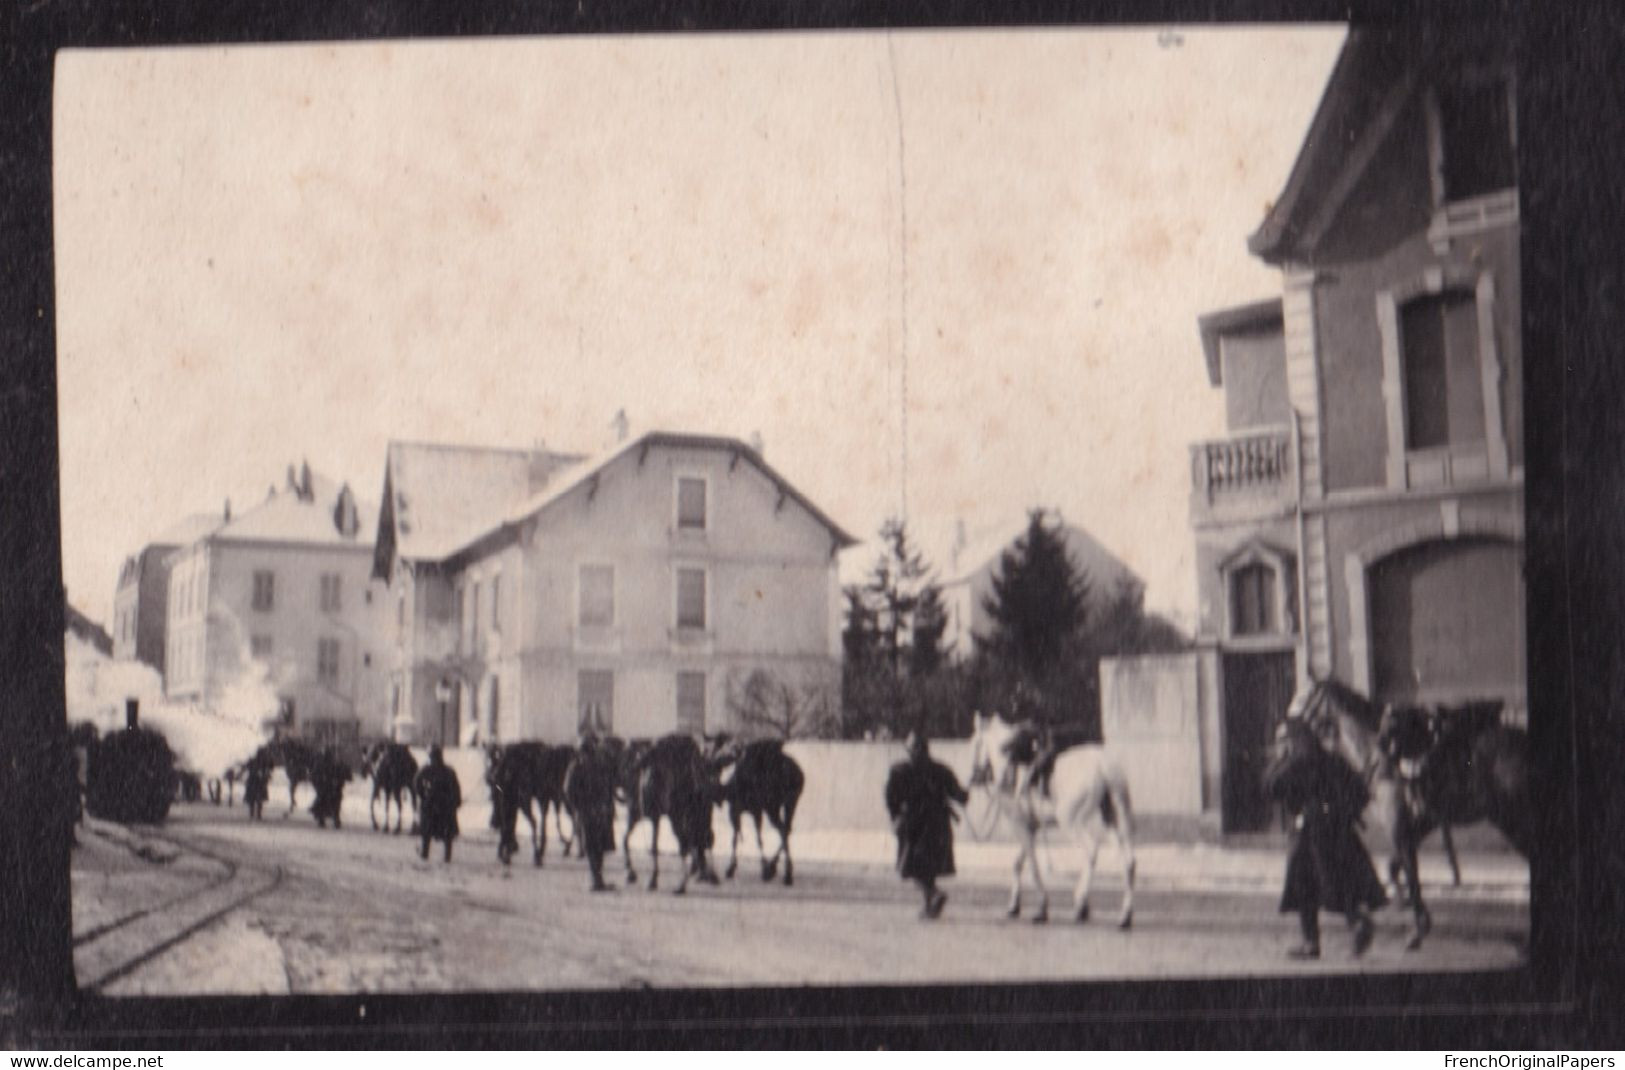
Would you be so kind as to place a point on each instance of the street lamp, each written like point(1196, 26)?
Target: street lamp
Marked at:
point(442, 694)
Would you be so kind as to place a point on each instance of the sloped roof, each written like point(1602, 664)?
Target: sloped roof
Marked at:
point(1375, 73)
point(86, 629)
point(577, 474)
point(286, 516)
point(188, 531)
point(442, 497)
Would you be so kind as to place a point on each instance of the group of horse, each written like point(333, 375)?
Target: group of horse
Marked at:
point(301, 763)
point(677, 778)
point(1426, 769)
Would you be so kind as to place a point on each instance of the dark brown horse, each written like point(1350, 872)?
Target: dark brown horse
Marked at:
point(678, 782)
point(1456, 767)
point(520, 774)
point(627, 754)
point(393, 772)
point(765, 781)
point(1348, 724)
point(300, 763)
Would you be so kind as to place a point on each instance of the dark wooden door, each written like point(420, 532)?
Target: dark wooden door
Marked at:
point(1257, 690)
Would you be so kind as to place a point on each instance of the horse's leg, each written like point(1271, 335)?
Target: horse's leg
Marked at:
point(770, 869)
point(1014, 909)
point(565, 842)
point(1089, 840)
point(541, 831)
point(654, 852)
point(626, 845)
point(372, 806)
point(1411, 840)
point(781, 821)
point(1123, 826)
point(685, 863)
point(1038, 878)
point(1450, 853)
point(733, 850)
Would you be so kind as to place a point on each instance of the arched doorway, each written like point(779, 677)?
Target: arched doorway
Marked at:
point(1447, 622)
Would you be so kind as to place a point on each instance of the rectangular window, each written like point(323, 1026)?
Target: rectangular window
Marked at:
point(474, 613)
point(690, 504)
point(400, 618)
point(327, 660)
point(597, 584)
point(331, 599)
point(264, 590)
point(496, 602)
point(1476, 135)
point(691, 598)
point(595, 699)
point(1444, 397)
point(260, 646)
point(691, 702)
point(1252, 600)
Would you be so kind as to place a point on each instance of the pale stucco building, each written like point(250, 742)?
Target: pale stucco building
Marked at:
point(528, 588)
point(284, 589)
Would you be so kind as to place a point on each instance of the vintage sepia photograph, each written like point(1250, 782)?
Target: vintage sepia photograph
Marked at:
point(919, 507)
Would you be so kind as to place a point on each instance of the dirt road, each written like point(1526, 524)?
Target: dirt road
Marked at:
point(281, 907)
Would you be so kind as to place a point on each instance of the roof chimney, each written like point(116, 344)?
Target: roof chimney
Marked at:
point(622, 426)
point(757, 444)
point(305, 491)
point(228, 511)
point(345, 517)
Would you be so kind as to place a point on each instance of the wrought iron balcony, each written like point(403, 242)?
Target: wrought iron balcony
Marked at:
point(1247, 471)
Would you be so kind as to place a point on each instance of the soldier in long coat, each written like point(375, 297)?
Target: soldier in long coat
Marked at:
point(439, 796)
point(589, 792)
point(1328, 867)
point(328, 778)
point(920, 794)
point(257, 787)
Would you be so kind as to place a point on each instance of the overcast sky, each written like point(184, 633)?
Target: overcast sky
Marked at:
point(271, 254)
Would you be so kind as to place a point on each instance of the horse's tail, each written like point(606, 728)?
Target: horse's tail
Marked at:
point(1117, 790)
point(795, 783)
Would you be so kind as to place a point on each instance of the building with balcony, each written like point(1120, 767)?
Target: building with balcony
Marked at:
point(533, 590)
point(1362, 519)
point(283, 594)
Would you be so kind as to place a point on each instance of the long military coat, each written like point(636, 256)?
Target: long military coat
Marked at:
point(919, 798)
point(1328, 867)
point(439, 796)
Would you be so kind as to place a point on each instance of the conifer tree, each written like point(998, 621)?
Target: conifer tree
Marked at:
point(1039, 601)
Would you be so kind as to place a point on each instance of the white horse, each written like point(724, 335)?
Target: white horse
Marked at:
point(1087, 792)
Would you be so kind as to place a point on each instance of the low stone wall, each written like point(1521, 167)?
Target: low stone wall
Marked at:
point(846, 781)
point(846, 784)
point(1152, 716)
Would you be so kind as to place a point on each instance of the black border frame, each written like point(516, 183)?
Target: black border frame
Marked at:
point(1570, 120)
